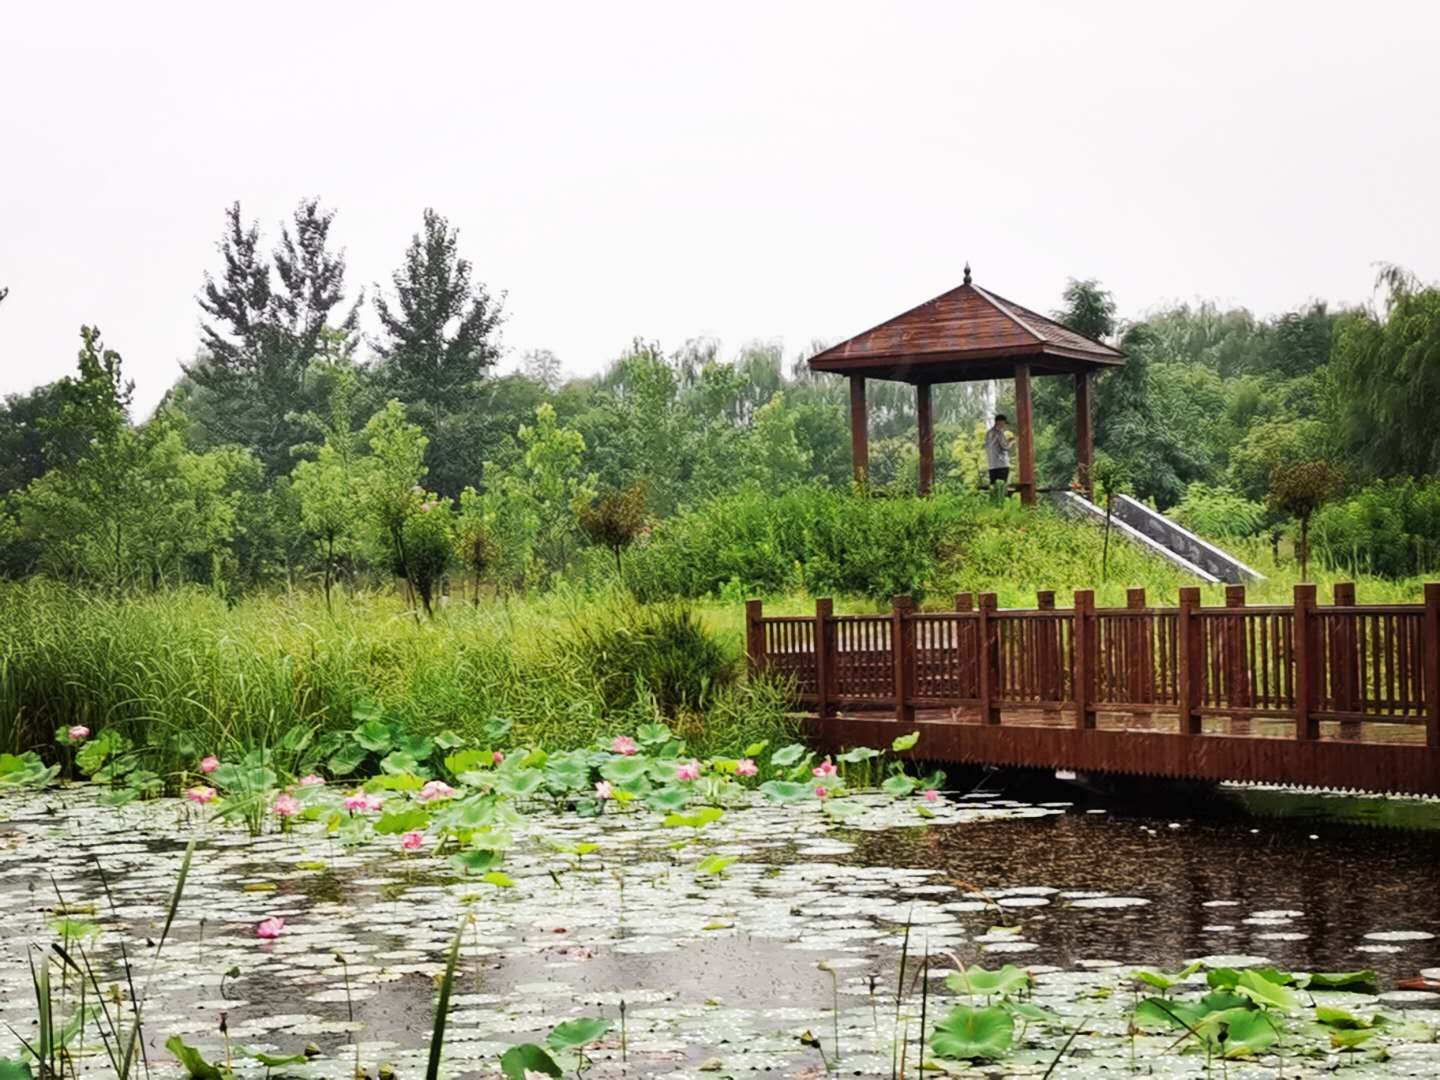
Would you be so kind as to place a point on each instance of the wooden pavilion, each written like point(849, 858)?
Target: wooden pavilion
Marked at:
point(966, 335)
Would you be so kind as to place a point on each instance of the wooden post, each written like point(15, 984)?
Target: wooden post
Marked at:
point(1431, 652)
point(1084, 435)
point(989, 661)
point(1046, 640)
point(1237, 684)
point(926, 427)
point(1024, 420)
point(1140, 679)
point(1190, 650)
point(966, 650)
point(1345, 661)
point(859, 429)
point(1082, 641)
point(1307, 662)
point(754, 637)
point(904, 654)
point(824, 609)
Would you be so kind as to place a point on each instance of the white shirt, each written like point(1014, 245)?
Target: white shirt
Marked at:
point(997, 449)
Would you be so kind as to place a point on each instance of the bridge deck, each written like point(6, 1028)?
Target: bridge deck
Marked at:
point(1344, 696)
point(1366, 756)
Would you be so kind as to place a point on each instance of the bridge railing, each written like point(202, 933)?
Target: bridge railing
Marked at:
point(1343, 663)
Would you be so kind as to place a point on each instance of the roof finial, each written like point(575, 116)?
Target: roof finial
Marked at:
point(967, 272)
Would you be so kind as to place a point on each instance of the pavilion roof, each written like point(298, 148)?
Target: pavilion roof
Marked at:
point(964, 334)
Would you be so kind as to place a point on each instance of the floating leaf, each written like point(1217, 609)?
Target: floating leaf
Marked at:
point(499, 879)
point(669, 799)
point(786, 791)
point(698, 820)
point(476, 860)
point(714, 864)
point(1360, 981)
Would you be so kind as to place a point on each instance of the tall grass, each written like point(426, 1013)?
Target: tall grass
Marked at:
point(187, 672)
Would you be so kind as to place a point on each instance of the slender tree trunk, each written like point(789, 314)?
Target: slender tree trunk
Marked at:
point(329, 570)
point(397, 535)
point(1304, 547)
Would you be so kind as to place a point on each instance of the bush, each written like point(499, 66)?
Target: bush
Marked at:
point(834, 543)
point(1390, 528)
point(1218, 512)
point(661, 653)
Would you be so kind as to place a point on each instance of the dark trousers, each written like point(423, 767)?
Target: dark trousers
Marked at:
point(1000, 475)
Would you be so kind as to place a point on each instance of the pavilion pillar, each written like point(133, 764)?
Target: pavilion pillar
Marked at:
point(1024, 418)
point(859, 429)
point(926, 426)
point(1084, 435)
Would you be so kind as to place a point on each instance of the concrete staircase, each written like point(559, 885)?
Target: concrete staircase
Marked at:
point(1160, 536)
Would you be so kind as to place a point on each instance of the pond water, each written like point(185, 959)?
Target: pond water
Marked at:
point(719, 974)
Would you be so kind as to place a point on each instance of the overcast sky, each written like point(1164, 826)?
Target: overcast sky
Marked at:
point(743, 171)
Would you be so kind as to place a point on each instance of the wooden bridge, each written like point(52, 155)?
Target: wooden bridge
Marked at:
point(1339, 696)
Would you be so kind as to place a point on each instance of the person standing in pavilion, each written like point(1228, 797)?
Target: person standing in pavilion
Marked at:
point(998, 441)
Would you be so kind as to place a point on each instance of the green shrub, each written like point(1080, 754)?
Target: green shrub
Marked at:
point(1391, 528)
point(662, 653)
point(1218, 512)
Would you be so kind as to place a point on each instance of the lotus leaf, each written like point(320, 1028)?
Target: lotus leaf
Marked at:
point(974, 1034)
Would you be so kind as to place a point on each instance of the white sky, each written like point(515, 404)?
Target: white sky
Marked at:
point(743, 170)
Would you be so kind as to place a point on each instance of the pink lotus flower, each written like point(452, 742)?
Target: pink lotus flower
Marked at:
point(821, 792)
point(624, 744)
point(312, 781)
point(689, 771)
point(931, 795)
point(363, 802)
point(78, 733)
point(602, 790)
point(824, 770)
point(435, 789)
point(201, 795)
point(497, 758)
point(412, 841)
point(287, 805)
point(270, 928)
point(746, 767)
point(209, 764)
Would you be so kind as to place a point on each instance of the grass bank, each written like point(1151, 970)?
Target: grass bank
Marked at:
point(188, 674)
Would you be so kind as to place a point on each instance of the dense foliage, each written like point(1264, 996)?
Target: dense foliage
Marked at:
point(296, 449)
